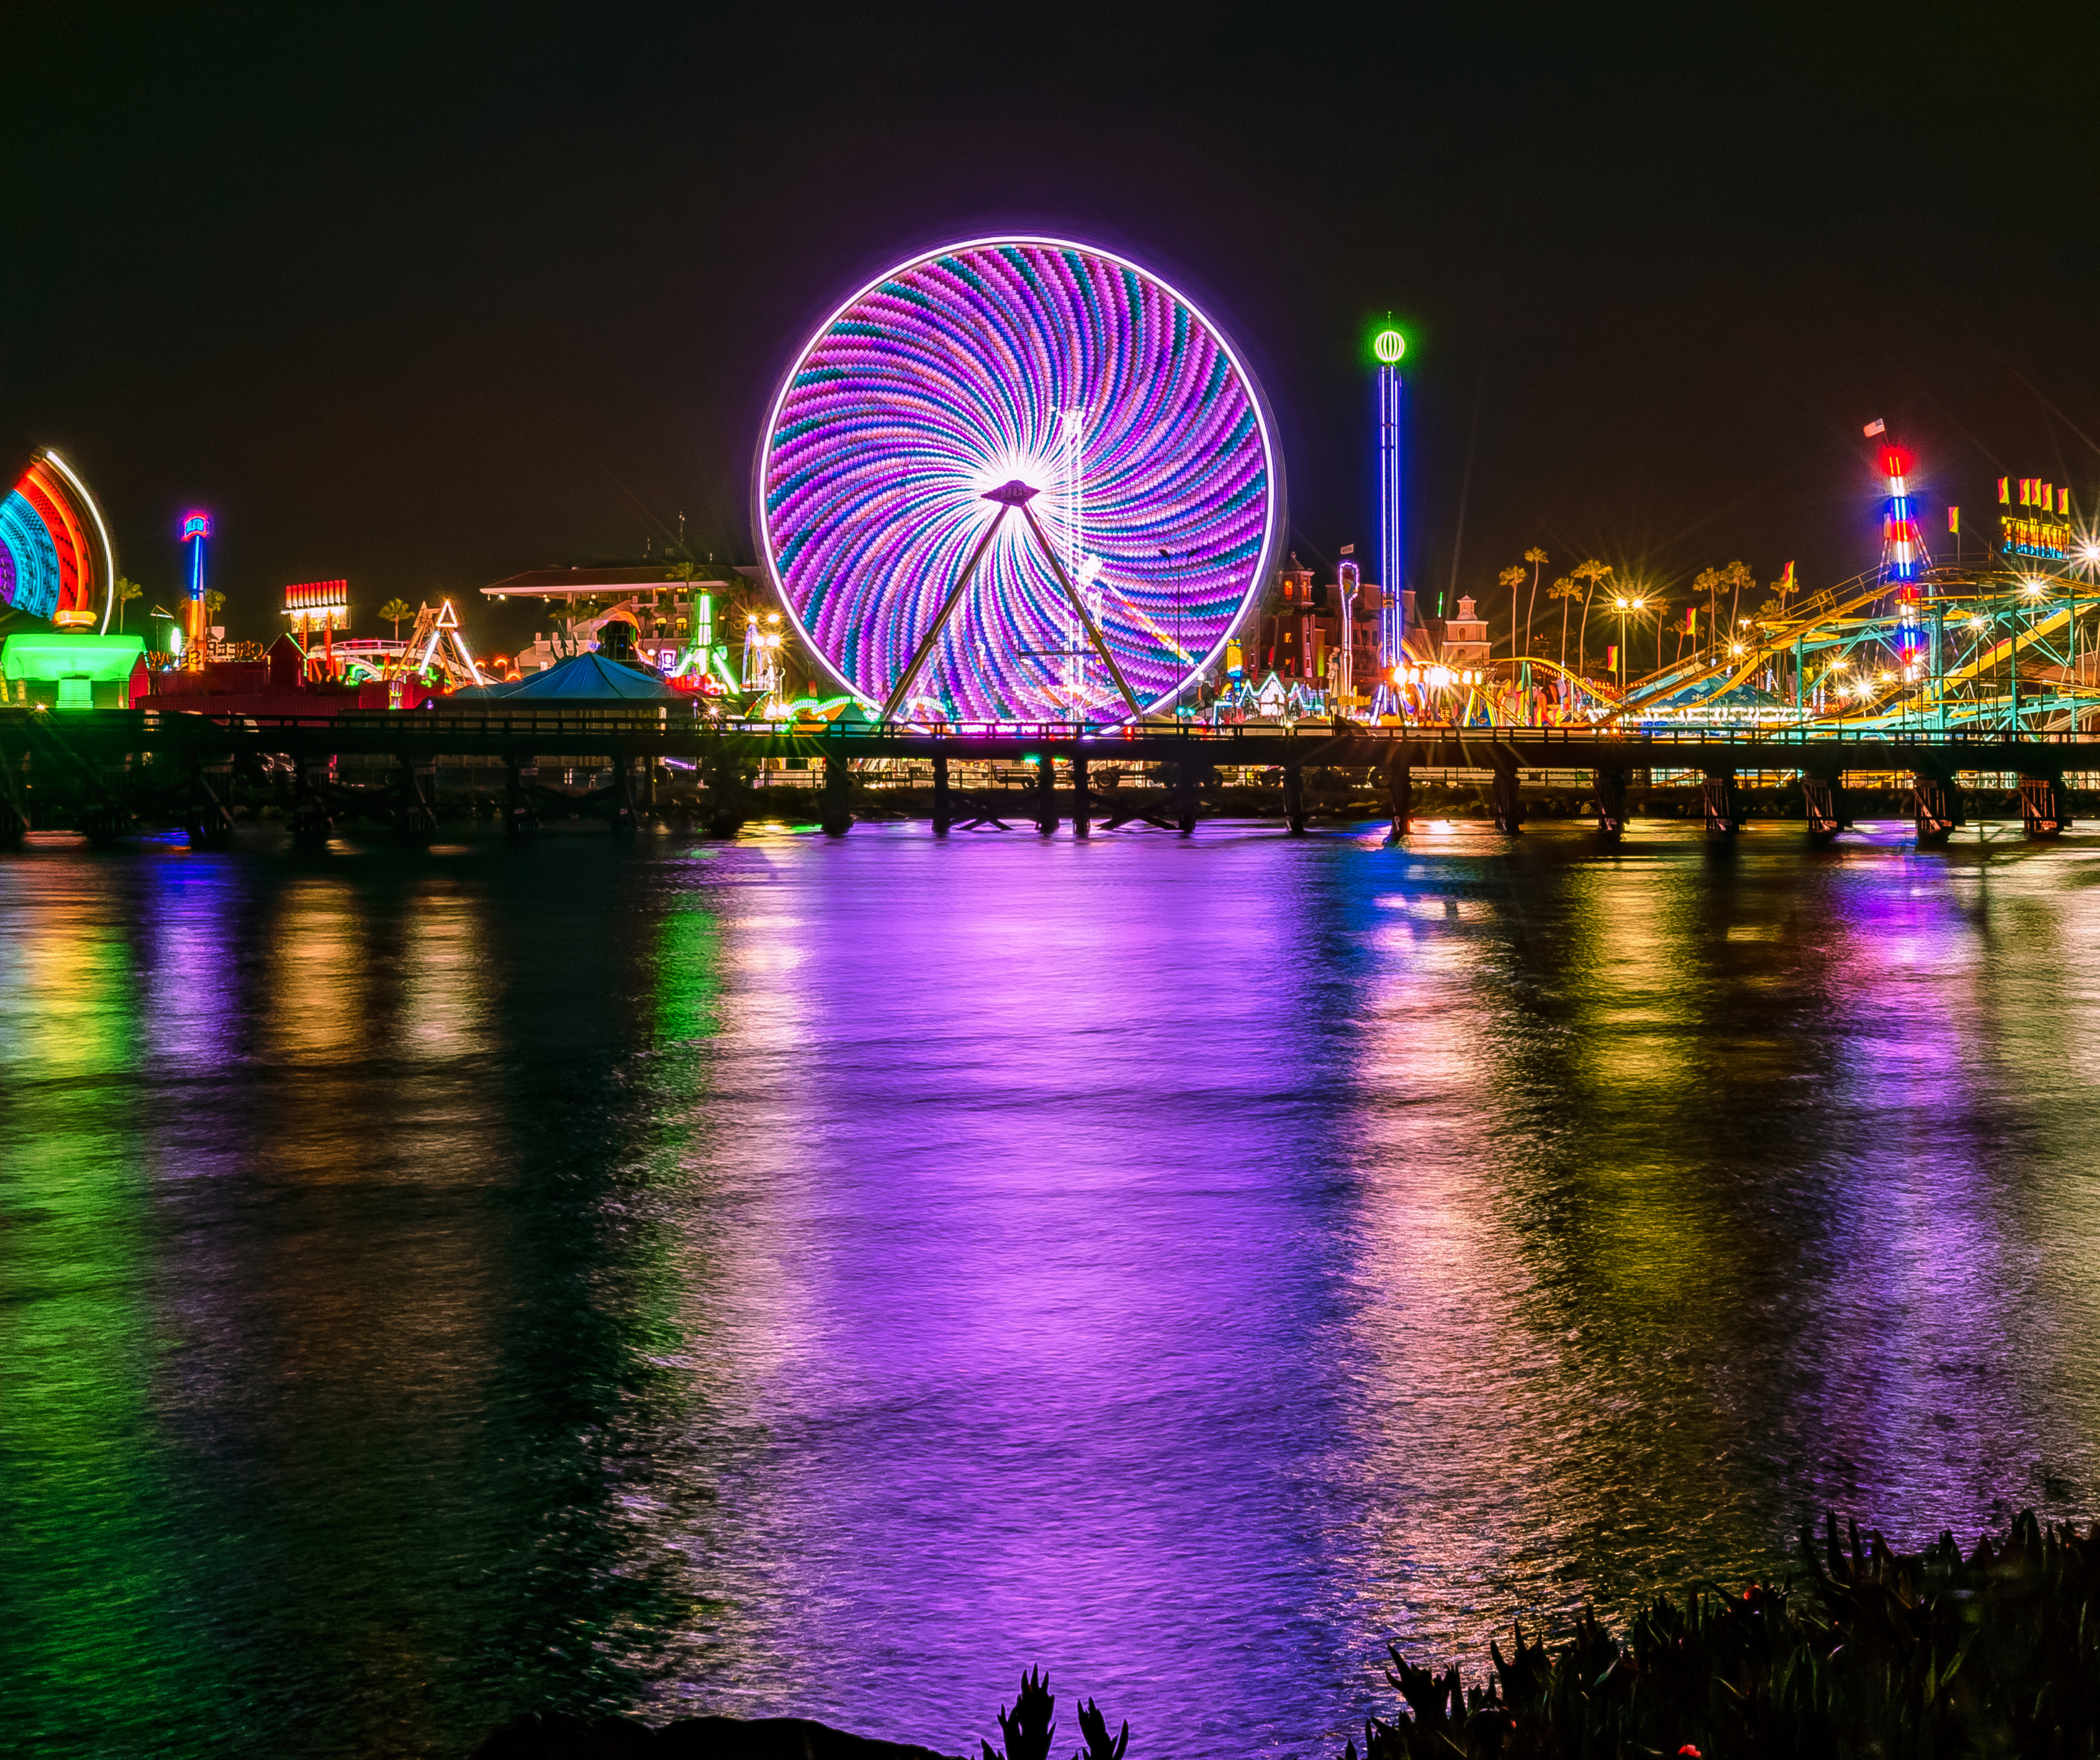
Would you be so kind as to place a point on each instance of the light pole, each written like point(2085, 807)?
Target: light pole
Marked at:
point(1625, 605)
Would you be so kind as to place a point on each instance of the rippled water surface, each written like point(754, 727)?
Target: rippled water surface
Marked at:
point(820, 1276)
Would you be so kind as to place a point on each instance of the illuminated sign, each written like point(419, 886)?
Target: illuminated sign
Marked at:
point(2036, 520)
point(325, 604)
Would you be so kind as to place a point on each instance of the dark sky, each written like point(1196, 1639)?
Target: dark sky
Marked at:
point(424, 296)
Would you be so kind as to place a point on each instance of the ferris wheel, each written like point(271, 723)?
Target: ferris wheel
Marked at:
point(1018, 479)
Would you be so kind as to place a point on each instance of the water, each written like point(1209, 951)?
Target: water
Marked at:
point(821, 1277)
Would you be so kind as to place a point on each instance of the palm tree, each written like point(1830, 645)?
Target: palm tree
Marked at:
point(393, 611)
point(1737, 575)
point(1710, 582)
point(1661, 612)
point(1563, 590)
point(1537, 558)
point(1594, 572)
point(125, 592)
point(1782, 590)
point(214, 601)
point(1512, 578)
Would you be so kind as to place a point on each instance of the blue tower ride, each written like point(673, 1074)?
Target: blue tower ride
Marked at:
point(196, 533)
point(1390, 346)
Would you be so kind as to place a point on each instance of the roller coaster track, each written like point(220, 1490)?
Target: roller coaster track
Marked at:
point(1828, 607)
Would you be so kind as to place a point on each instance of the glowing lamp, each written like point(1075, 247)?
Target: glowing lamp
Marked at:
point(1389, 346)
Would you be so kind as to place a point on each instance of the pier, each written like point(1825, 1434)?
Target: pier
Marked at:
point(106, 772)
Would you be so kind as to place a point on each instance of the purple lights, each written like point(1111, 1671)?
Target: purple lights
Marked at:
point(1058, 368)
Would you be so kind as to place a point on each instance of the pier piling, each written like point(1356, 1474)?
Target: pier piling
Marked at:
point(312, 821)
point(416, 812)
point(1936, 807)
point(837, 810)
point(521, 776)
point(2041, 806)
point(1723, 803)
point(1507, 801)
point(1609, 787)
point(1294, 797)
point(1822, 797)
point(1400, 793)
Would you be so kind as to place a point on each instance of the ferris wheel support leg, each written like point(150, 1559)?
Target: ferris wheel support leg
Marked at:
point(923, 651)
point(1080, 610)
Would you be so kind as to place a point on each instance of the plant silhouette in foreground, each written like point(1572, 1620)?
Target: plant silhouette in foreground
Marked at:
point(1928, 1654)
point(1095, 1728)
point(1030, 1728)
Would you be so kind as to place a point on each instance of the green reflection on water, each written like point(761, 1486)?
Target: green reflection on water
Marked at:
point(78, 1496)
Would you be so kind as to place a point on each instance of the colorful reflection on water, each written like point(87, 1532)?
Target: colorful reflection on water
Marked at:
point(820, 1277)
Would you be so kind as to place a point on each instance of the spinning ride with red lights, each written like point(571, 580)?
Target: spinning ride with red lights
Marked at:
point(1018, 479)
point(56, 561)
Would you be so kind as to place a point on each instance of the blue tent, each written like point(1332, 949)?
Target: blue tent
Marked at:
point(583, 678)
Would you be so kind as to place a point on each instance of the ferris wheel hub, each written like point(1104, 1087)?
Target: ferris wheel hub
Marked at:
point(1014, 494)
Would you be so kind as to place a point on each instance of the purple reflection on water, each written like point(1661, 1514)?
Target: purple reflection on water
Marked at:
point(824, 1276)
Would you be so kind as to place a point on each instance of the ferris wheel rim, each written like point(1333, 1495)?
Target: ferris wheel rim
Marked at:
point(1275, 522)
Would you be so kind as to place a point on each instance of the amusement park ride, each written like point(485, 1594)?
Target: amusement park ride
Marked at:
point(1022, 482)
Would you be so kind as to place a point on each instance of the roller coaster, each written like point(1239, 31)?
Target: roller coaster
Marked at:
point(1990, 649)
point(2008, 645)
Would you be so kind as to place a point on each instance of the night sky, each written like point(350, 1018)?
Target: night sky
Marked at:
point(427, 296)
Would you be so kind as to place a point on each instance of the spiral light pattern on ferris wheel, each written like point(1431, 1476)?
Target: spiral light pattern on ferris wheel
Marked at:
point(1068, 370)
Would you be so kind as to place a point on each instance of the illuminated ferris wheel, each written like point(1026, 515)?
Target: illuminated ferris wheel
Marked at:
point(1018, 479)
